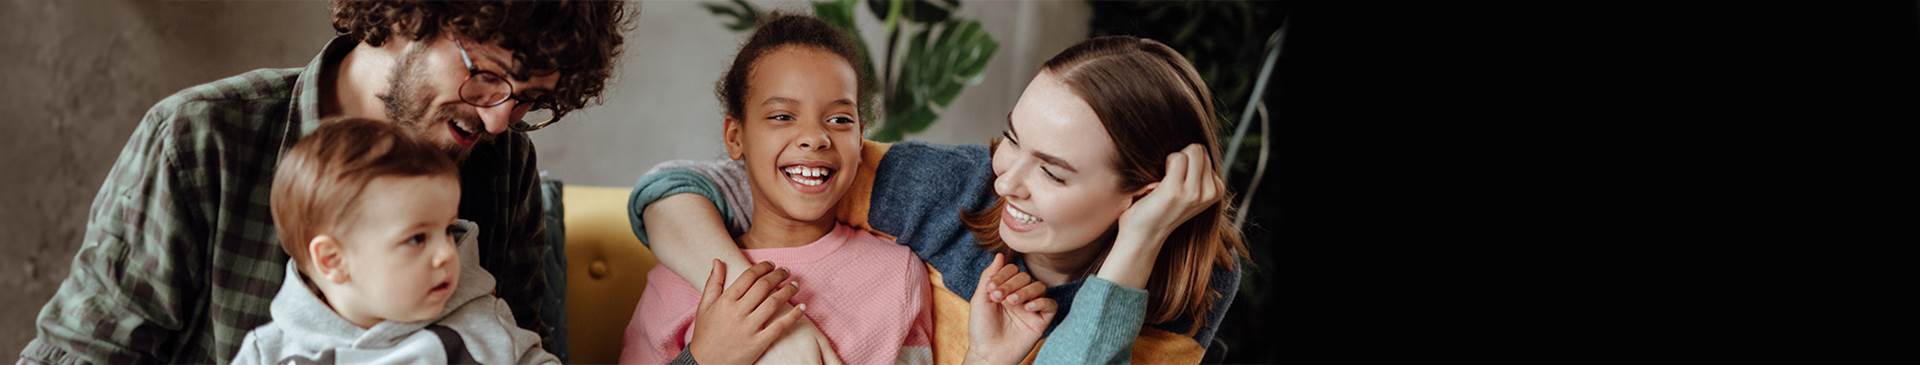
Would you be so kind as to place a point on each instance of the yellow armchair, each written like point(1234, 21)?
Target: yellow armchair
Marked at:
point(606, 270)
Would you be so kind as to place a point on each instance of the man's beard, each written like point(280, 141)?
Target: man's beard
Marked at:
point(408, 99)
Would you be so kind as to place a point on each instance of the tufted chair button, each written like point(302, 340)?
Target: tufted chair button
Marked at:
point(598, 269)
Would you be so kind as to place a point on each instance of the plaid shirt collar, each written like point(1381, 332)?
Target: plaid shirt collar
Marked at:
point(304, 111)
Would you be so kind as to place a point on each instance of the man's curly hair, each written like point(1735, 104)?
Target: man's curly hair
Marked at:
point(580, 39)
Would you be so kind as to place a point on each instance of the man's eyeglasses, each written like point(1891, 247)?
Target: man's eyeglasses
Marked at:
point(487, 89)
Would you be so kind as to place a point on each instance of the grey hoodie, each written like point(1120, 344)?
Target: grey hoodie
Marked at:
point(305, 331)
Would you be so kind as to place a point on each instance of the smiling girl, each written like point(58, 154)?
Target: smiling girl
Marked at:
point(793, 118)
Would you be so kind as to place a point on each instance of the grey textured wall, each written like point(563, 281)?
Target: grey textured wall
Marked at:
point(75, 76)
point(78, 74)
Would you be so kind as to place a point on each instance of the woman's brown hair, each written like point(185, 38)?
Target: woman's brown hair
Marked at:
point(1154, 104)
point(318, 183)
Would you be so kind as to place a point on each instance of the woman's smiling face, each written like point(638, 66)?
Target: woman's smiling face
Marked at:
point(1056, 171)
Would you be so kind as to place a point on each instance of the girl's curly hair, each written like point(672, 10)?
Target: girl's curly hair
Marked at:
point(778, 30)
point(580, 39)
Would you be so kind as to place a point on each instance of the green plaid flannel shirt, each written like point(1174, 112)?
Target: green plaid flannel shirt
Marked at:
point(181, 258)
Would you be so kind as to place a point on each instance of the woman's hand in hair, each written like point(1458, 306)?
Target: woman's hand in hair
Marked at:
point(1190, 187)
point(1009, 312)
point(735, 325)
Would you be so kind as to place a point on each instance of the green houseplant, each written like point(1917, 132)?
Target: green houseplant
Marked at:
point(920, 75)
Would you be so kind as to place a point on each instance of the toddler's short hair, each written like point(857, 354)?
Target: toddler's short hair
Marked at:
point(318, 182)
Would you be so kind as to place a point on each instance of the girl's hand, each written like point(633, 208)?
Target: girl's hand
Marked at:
point(737, 324)
point(1009, 312)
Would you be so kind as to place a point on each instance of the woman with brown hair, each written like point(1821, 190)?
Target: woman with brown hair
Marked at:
point(1104, 187)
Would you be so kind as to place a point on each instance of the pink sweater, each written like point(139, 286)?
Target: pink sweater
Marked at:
point(867, 294)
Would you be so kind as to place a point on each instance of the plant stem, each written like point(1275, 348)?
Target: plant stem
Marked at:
point(893, 39)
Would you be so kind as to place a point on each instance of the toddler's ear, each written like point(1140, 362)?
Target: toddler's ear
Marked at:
point(327, 259)
point(731, 137)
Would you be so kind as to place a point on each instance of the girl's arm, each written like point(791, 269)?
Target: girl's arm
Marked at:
point(685, 206)
point(687, 234)
point(687, 210)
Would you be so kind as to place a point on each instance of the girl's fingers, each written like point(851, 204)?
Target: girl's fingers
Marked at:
point(767, 308)
point(744, 282)
point(779, 326)
point(762, 287)
point(715, 278)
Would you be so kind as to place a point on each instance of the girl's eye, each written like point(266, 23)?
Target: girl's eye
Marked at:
point(1009, 137)
point(1056, 178)
point(840, 120)
point(417, 239)
point(781, 117)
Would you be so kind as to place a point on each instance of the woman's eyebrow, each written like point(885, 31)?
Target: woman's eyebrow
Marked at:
point(1056, 161)
point(1050, 159)
point(1010, 132)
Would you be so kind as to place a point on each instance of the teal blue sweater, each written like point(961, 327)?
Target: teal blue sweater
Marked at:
point(919, 191)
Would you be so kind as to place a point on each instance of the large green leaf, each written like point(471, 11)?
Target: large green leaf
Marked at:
point(743, 14)
point(941, 60)
point(944, 57)
point(918, 11)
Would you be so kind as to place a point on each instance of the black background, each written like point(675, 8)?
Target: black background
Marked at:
point(1587, 181)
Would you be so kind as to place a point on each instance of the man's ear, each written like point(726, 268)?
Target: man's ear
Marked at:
point(327, 258)
point(732, 138)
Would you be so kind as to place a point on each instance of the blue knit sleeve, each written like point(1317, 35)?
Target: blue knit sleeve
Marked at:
point(920, 191)
point(1106, 318)
point(667, 182)
point(1226, 283)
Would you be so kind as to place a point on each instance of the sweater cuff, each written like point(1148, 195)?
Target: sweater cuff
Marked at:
point(664, 183)
point(1101, 328)
point(1116, 304)
point(685, 358)
point(38, 352)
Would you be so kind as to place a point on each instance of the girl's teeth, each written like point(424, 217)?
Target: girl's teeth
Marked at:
point(806, 171)
point(806, 176)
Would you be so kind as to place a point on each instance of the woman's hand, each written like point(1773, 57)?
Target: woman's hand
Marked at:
point(735, 325)
point(1009, 312)
point(1190, 186)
